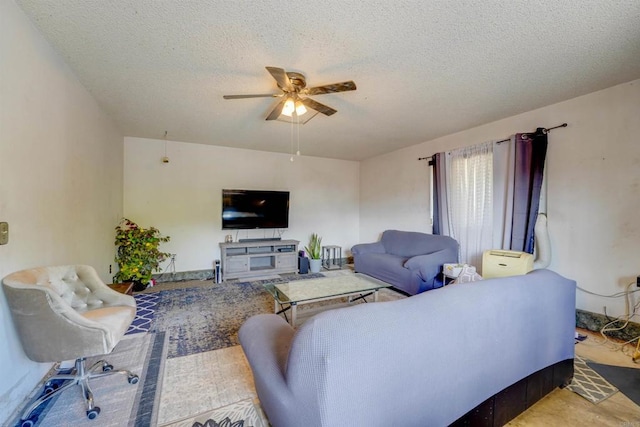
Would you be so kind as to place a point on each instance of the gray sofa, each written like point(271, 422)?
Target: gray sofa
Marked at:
point(408, 260)
point(486, 349)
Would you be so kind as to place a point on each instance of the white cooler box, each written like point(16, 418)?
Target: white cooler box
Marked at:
point(501, 263)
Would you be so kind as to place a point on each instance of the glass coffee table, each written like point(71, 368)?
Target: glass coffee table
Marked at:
point(288, 296)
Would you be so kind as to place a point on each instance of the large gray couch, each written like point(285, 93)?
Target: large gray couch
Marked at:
point(408, 260)
point(486, 349)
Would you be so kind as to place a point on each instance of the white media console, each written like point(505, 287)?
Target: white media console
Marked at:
point(258, 258)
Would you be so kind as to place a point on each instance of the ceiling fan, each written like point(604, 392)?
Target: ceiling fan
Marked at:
point(294, 94)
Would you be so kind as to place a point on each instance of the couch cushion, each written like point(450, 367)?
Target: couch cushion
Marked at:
point(390, 269)
point(412, 243)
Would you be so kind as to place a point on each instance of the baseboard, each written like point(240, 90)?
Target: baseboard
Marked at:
point(595, 322)
point(181, 276)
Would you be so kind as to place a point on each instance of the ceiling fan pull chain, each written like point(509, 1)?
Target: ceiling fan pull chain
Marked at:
point(298, 120)
point(291, 158)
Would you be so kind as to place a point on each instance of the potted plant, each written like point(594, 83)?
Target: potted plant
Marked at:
point(314, 253)
point(138, 255)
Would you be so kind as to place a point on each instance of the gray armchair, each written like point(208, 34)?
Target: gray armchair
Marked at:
point(66, 313)
point(408, 260)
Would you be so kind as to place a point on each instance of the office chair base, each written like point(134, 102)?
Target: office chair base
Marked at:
point(80, 375)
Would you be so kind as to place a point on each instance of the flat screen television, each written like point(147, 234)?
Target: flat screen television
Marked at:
point(247, 209)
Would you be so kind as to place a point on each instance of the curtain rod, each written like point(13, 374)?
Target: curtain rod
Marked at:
point(545, 130)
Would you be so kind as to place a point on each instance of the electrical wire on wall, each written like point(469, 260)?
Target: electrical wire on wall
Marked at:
point(626, 347)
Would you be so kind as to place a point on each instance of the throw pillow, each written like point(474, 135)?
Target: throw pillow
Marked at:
point(468, 274)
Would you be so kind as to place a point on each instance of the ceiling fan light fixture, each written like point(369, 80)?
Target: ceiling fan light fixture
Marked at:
point(288, 108)
point(300, 108)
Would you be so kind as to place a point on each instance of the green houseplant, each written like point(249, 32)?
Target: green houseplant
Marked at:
point(314, 253)
point(138, 255)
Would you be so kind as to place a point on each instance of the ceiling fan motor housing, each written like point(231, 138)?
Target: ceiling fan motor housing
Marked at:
point(297, 80)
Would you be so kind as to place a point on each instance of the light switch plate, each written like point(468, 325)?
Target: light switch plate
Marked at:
point(4, 233)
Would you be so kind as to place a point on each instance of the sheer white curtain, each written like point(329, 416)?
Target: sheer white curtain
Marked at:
point(503, 188)
point(469, 192)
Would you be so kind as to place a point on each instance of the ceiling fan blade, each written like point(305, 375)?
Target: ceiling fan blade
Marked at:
point(266, 95)
point(321, 108)
point(281, 77)
point(331, 88)
point(275, 113)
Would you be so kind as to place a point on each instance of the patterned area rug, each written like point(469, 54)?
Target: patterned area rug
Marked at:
point(589, 384)
point(121, 403)
point(208, 318)
point(145, 310)
point(239, 414)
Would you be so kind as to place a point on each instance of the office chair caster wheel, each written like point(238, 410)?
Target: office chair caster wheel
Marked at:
point(93, 413)
point(29, 422)
point(133, 379)
point(50, 388)
point(107, 368)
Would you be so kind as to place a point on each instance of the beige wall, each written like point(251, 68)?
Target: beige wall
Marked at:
point(60, 178)
point(183, 198)
point(63, 170)
point(593, 172)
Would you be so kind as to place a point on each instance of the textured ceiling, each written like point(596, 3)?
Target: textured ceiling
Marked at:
point(423, 68)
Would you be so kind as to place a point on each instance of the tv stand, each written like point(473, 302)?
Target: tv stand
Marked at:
point(241, 260)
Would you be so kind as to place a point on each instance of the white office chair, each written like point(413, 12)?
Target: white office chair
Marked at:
point(65, 313)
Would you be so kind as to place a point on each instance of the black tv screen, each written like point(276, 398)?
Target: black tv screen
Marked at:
point(244, 209)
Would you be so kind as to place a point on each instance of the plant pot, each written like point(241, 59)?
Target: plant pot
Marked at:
point(138, 286)
point(315, 265)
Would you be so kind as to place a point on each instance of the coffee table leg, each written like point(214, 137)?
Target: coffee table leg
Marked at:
point(375, 296)
point(294, 310)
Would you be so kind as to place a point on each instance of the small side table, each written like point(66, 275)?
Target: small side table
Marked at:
point(124, 287)
point(332, 257)
point(450, 272)
point(446, 279)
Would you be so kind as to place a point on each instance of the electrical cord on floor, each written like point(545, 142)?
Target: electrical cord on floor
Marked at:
point(614, 346)
point(636, 353)
point(626, 318)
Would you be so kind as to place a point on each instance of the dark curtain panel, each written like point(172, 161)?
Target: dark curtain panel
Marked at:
point(530, 155)
point(437, 188)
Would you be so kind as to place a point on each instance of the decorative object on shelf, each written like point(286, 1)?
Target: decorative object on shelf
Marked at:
point(138, 255)
point(228, 238)
point(314, 253)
